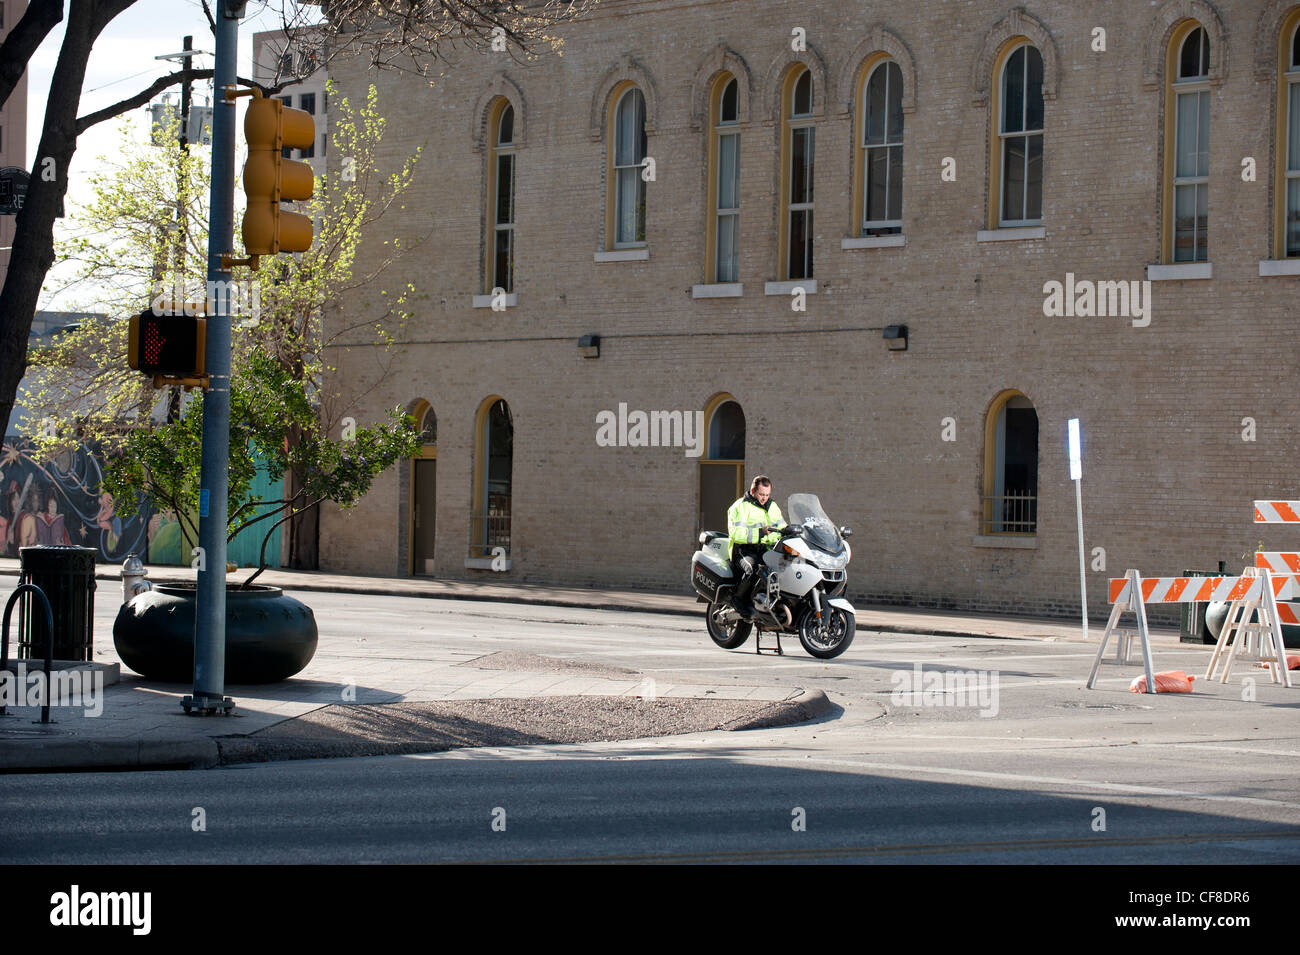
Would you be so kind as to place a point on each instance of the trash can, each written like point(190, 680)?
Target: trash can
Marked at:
point(1192, 627)
point(67, 576)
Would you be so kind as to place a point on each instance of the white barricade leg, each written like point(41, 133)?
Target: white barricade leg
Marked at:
point(1278, 669)
point(1144, 633)
point(1120, 607)
point(1220, 645)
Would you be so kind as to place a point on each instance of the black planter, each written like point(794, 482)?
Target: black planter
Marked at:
point(1217, 612)
point(270, 636)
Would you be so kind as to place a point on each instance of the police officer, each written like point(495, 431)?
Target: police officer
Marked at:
point(747, 521)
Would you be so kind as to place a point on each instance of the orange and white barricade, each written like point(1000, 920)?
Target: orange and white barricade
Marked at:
point(1255, 590)
point(1126, 597)
point(1261, 591)
point(1263, 637)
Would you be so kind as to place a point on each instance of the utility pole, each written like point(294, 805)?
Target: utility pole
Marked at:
point(181, 230)
point(210, 613)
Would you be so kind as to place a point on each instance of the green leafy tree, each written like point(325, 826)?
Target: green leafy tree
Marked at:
point(143, 239)
point(273, 424)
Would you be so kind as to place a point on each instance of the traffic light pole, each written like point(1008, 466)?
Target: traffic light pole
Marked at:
point(210, 613)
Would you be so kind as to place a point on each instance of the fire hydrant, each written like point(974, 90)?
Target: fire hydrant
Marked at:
point(133, 578)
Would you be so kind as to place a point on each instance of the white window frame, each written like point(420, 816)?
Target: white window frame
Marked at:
point(797, 122)
point(729, 128)
point(499, 150)
point(1292, 169)
point(1024, 134)
point(1190, 90)
point(641, 184)
point(867, 149)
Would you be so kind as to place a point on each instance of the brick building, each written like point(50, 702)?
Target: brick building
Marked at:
point(844, 259)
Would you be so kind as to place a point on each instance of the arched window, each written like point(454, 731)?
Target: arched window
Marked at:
point(501, 200)
point(878, 172)
point(797, 154)
point(423, 492)
point(1288, 204)
point(1020, 116)
point(1010, 503)
point(627, 159)
point(723, 242)
point(493, 477)
point(1187, 145)
point(722, 469)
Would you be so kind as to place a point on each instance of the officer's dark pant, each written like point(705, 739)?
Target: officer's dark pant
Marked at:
point(747, 580)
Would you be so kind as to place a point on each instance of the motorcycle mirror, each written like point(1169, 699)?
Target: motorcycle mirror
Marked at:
point(846, 532)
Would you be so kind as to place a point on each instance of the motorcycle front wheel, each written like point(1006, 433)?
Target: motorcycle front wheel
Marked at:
point(828, 637)
point(729, 633)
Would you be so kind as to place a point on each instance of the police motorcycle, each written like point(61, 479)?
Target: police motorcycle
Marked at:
point(800, 589)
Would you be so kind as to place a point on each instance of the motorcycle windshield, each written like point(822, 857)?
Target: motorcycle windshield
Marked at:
point(818, 530)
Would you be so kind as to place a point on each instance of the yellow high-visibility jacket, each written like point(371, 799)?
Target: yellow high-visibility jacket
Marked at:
point(746, 516)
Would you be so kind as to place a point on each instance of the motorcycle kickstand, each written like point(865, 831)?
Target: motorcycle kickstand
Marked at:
point(758, 643)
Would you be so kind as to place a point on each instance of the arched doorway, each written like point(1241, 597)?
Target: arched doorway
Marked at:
point(424, 488)
point(494, 435)
point(722, 469)
point(1010, 503)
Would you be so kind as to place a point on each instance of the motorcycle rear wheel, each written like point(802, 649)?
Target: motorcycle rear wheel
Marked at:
point(828, 637)
point(727, 635)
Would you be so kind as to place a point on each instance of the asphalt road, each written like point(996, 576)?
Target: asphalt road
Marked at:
point(1206, 778)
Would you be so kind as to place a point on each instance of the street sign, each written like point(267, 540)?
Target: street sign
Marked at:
point(13, 189)
point(1076, 452)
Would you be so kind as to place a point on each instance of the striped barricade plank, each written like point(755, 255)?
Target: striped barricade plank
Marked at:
point(1289, 613)
point(1277, 512)
point(1278, 562)
point(1203, 589)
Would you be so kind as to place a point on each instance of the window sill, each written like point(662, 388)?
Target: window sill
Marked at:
point(485, 301)
point(1174, 273)
point(874, 242)
point(809, 287)
point(718, 290)
point(623, 255)
point(1012, 541)
point(1012, 234)
point(483, 563)
point(1279, 267)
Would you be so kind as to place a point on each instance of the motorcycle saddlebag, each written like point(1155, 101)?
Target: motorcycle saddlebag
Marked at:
point(707, 575)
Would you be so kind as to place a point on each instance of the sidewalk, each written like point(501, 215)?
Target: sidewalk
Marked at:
point(869, 617)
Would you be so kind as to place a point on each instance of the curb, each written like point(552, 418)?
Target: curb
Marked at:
point(67, 755)
point(808, 705)
point(72, 755)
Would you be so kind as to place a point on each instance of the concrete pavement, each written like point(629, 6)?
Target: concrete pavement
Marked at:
point(141, 724)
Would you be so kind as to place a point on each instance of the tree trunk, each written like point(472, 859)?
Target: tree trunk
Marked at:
point(33, 251)
point(304, 528)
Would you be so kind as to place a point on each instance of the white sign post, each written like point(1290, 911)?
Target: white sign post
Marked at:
point(1076, 475)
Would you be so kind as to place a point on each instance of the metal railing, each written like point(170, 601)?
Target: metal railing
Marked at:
point(488, 531)
point(1012, 513)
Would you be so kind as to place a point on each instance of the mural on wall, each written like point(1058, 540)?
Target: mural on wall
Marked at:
point(59, 501)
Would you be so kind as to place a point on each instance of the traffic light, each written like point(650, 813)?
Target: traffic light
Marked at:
point(269, 178)
point(169, 347)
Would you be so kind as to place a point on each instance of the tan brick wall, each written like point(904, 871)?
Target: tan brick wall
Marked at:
point(1168, 480)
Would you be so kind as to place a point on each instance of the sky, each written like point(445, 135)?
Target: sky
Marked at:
point(121, 64)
